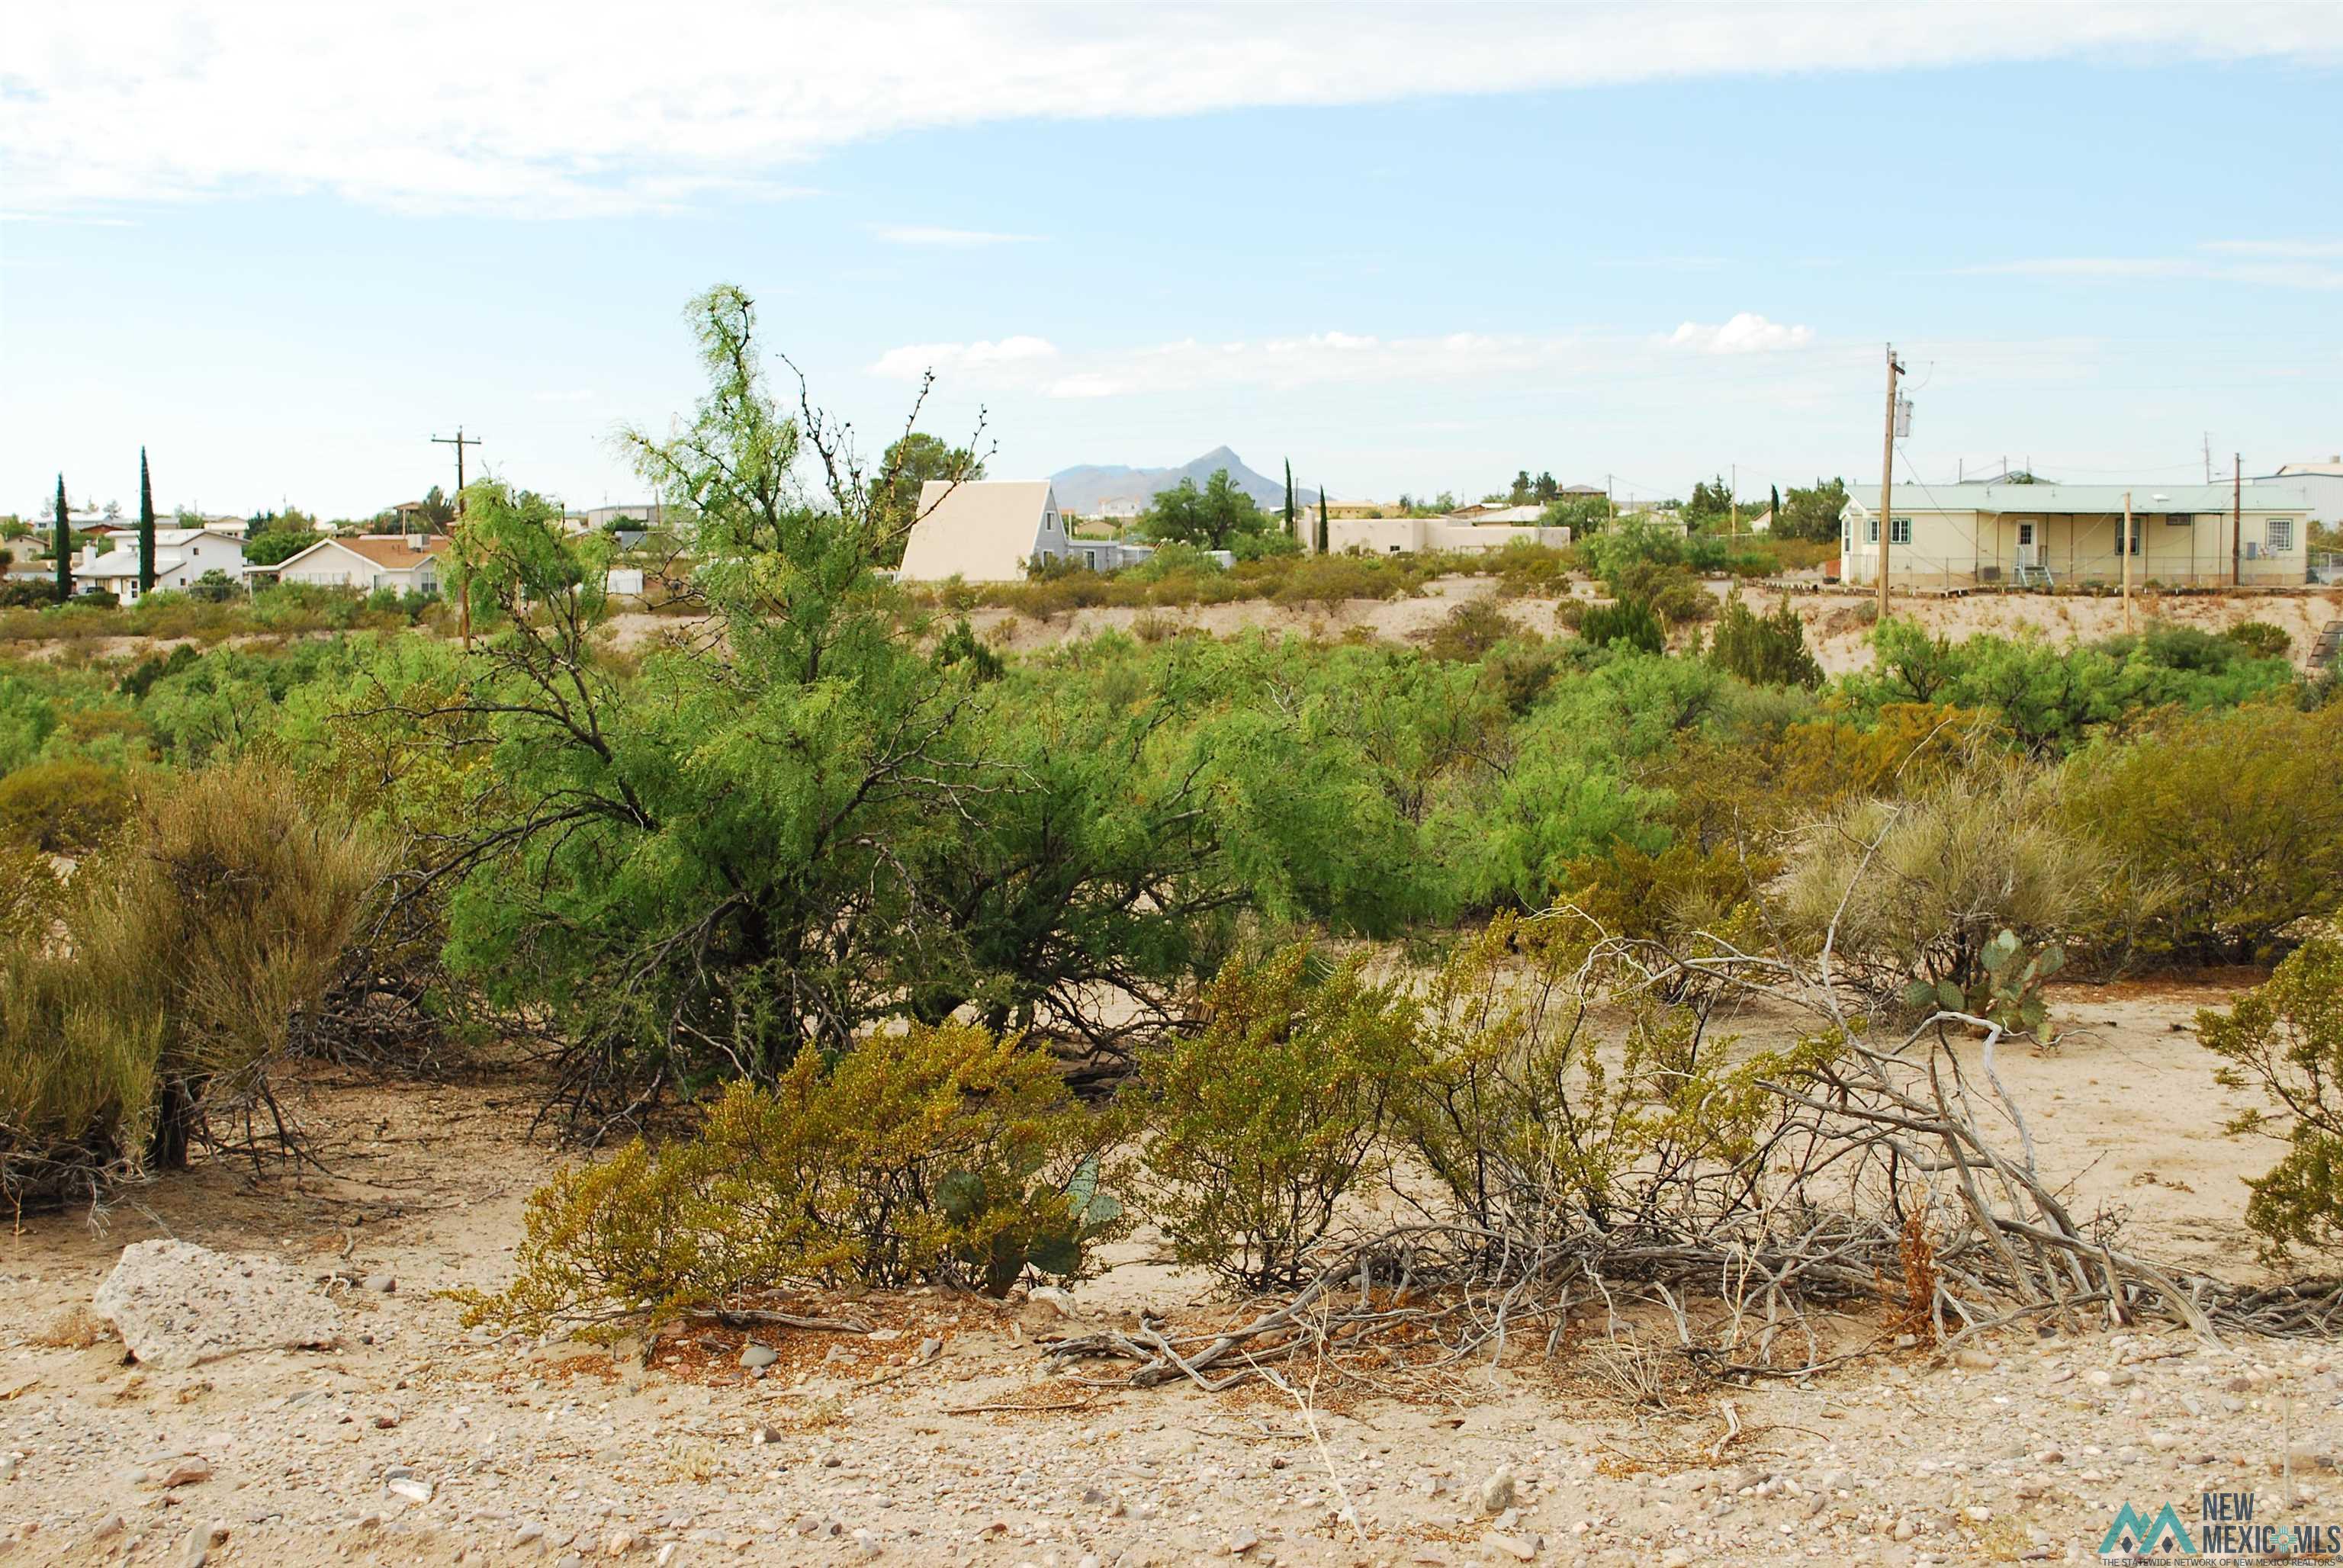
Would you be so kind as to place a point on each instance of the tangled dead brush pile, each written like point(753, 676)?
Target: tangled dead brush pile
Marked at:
point(1575, 1139)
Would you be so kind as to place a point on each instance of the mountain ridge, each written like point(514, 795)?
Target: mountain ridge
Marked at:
point(1085, 487)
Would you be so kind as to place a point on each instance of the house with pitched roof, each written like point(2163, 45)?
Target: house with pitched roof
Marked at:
point(983, 530)
point(182, 558)
point(405, 563)
point(2045, 535)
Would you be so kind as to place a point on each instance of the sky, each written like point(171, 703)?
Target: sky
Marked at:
point(1407, 247)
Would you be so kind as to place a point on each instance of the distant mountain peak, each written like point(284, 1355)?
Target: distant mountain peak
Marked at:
point(1089, 487)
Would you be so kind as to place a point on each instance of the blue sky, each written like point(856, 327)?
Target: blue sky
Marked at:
point(1416, 259)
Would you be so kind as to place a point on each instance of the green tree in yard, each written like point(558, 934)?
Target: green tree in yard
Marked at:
point(1219, 517)
point(61, 545)
point(1811, 514)
point(1580, 512)
point(439, 511)
point(1290, 532)
point(915, 458)
point(1325, 509)
point(1711, 503)
point(274, 544)
point(145, 527)
point(1774, 505)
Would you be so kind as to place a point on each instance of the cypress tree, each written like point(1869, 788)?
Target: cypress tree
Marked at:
point(61, 543)
point(1291, 532)
point(145, 529)
point(1324, 504)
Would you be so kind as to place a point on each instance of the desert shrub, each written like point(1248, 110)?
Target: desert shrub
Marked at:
point(1917, 889)
point(143, 675)
point(1629, 621)
point(2285, 1037)
point(2260, 640)
point(192, 946)
point(2238, 816)
point(1674, 593)
point(1535, 1124)
point(943, 1153)
point(2049, 699)
point(28, 719)
point(1634, 893)
point(62, 807)
point(960, 645)
point(1540, 570)
point(1900, 746)
point(1765, 651)
point(1470, 631)
point(1261, 1123)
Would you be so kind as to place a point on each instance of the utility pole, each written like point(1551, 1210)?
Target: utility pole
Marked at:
point(2208, 457)
point(2122, 547)
point(1887, 480)
point(2236, 519)
point(460, 441)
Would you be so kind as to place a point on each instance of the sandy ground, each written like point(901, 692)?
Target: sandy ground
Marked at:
point(546, 1454)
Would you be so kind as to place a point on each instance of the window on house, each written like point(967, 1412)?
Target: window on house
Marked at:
point(2179, 520)
point(2278, 533)
point(1871, 530)
point(1899, 530)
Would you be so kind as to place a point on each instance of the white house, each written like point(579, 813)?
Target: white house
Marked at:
point(182, 557)
point(1407, 536)
point(983, 530)
point(1971, 535)
point(407, 564)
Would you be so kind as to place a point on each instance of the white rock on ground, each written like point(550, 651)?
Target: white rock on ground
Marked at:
point(177, 1305)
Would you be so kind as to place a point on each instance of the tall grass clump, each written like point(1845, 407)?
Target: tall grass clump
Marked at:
point(170, 976)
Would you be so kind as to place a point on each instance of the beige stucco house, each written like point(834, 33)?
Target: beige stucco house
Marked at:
point(2043, 536)
point(1407, 536)
point(982, 530)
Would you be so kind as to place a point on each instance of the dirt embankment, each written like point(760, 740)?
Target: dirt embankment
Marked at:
point(1837, 624)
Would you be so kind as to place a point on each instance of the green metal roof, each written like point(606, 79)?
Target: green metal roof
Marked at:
point(2052, 501)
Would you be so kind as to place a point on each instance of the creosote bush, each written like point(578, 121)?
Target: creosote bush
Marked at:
point(2235, 818)
point(2285, 1037)
point(1260, 1125)
point(942, 1153)
point(64, 806)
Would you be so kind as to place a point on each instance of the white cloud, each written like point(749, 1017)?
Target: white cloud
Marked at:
point(913, 360)
point(574, 108)
point(1033, 365)
point(949, 238)
point(1747, 333)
